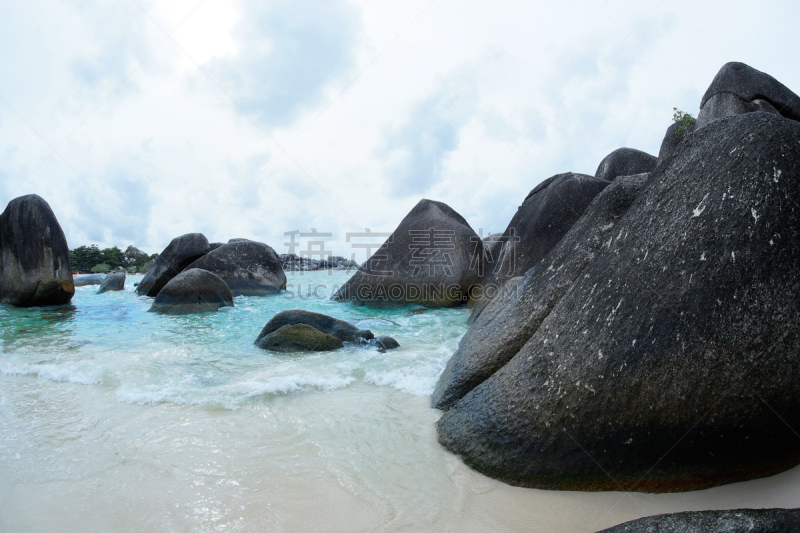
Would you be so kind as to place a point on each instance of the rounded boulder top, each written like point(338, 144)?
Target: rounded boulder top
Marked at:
point(193, 291)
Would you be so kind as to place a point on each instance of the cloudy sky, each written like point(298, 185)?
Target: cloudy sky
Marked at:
point(142, 120)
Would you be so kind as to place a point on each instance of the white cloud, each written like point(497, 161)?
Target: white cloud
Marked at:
point(473, 104)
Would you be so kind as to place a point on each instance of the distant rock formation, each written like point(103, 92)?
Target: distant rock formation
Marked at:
point(433, 258)
point(193, 291)
point(179, 254)
point(34, 265)
point(112, 282)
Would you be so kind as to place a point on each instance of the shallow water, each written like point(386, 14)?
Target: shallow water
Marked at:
point(116, 419)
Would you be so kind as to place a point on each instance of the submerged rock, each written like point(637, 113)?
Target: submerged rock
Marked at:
point(386, 343)
point(734, 521)
point(193, 291)
point(324, 323)
point(431, 259)
point(298, 338)
point(113, 282)
point(34, 262)
point(662, 364)
point(249, 268)
point(89, 279)
point(625, 162)
point(179, 254)
point(739, 88)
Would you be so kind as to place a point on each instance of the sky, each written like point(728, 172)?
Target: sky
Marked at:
point(139, 121)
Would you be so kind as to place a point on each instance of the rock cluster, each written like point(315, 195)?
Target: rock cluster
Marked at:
point(295, 263)
point(653, 346)
point(179, 254)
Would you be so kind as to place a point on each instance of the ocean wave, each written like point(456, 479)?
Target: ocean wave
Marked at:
point(71, 373)
point(231, 395)
point(418, 383)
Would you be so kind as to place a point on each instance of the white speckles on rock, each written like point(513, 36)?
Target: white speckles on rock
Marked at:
point(700, 207)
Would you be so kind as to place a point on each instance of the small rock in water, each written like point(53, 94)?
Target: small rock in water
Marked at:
point(327, 324)
point(113, 282)
point(298, 338)
point(386, 343)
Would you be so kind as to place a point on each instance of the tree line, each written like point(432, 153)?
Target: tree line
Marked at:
point(94, 259)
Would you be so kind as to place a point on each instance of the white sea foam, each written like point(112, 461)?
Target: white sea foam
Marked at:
point(412, 381)
point(231, 395)
point(71, 373)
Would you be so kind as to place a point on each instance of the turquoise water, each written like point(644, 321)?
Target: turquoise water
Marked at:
point(116, 419)
point(111, 340)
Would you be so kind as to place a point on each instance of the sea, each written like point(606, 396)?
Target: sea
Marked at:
point(115, 419)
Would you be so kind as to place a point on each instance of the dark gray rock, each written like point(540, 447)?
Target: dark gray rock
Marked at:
point(179, 254)
point(664, 363)
point(193, 291)
point(546, 215)
point(517, 311)
point(113, 282)
point(625, 162)
point(734, 521)
point(727, 104)
point(215, 245)
point(34, 256)
point(249, 268)
point(431, 259)
point(672, 138)
point(749, 85)
point(324, 323)
point(238, 239)
point(89, 279)
point(386, 343)
point(298, 338)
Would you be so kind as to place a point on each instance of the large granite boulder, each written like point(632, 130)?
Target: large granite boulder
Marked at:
point(89, 279)
point(519, 309)
point(433, 258)
point(625, 162)
point(738, 88)
point(249, 268)
point(298, 338)
point(179, 254)
point(546, 215)
point(327, 324)
point(193, 291)
point(113, 282)
point(674, 135)
point(34, 267)
point(670, 362)
point(734, 521)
